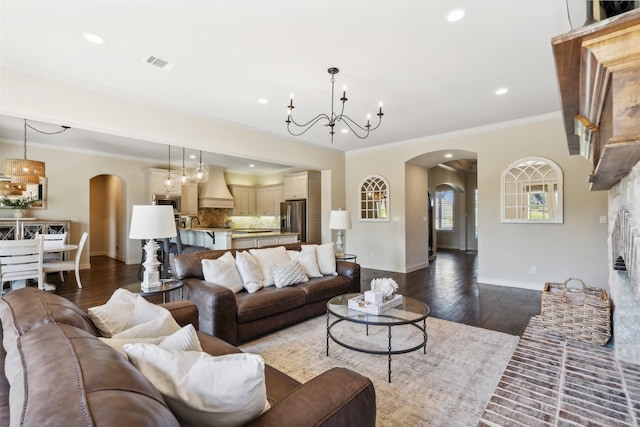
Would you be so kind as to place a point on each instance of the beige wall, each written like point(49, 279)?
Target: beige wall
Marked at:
point(558, 251)
point(575, 248)
point(69, 175)
point(416, 230)
point(48, 100)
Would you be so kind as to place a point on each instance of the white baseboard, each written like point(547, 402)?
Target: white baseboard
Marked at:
point(511, 283)
point(417, 267)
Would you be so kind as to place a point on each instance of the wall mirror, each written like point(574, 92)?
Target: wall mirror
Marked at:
point(374, 199)
point(532, 191)
point(38, 191)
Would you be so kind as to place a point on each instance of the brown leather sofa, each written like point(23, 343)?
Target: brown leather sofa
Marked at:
point(237, 318)
point(58, 373)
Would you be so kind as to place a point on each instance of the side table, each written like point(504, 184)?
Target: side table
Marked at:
point(167, 286)
point(347, 257)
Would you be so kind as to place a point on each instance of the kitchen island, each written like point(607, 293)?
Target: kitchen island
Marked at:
point(226, 238)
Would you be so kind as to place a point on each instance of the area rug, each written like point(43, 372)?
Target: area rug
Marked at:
point(449, 385)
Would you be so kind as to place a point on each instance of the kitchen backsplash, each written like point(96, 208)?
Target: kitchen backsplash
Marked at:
point(215, 217)
point(271, 222)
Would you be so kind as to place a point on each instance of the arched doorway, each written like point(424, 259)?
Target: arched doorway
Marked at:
point(458, 170)
point(107, 217)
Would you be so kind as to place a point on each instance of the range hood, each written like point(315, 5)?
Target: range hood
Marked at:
point(214, 193)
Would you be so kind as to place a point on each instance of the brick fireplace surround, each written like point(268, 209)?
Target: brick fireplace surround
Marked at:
point(624, 244)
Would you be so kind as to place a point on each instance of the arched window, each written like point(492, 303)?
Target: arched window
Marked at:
point(374, 199)
point(532, 191)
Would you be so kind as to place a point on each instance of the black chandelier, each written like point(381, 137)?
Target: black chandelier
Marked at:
point(334, 118)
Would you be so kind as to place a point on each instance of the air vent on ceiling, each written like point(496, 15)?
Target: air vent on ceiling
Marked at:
point(160, 63)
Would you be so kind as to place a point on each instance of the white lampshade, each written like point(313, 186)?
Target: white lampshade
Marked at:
point(152, 222)
point(340, 220)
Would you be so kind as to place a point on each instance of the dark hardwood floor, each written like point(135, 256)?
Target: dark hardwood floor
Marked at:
point(448, 286)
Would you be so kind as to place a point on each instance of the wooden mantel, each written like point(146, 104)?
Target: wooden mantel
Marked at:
point(598, 68)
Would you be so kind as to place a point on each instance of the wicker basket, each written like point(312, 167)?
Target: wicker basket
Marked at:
point(582, 313)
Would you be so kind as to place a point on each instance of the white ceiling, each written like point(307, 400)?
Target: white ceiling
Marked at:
point(433, 76)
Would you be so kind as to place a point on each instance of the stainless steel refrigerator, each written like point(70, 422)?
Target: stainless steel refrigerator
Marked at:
point(293, 218)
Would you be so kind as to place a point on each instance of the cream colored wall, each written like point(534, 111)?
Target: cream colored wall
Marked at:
point(99, 244)
point(558, 251)
point(56, 101)
point(69, 175)
point(417, 184)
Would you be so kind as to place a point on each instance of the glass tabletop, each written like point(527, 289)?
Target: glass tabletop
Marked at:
point(167, 285)
point(410, 311)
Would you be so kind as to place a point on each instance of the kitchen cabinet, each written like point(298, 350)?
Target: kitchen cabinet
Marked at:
point(189, 202)
point(210, 238)
point(268, 200)
point(296, 186)
point(283, 240)
point(260, 242)
point(244, 199)
point(156, 179)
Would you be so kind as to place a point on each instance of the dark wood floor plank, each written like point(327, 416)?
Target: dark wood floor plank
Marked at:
point(449, 286)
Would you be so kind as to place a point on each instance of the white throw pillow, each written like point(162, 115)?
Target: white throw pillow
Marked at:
point(186, 339)
point(288, 274)
point(267, 258)
point(148, 321)
point(308, 259)
point(223, 272)
point(249, 270)
point(204, 390)
point(113, 316)
point(326, 258)
point(126, 315)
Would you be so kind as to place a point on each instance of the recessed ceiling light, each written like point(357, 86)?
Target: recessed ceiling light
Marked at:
point(455, 15)
point(263, 101)
point(192, 156)
point(93, 38)
point(502, 91)
point(252, 165)
point(345, 131)
point(448, 155)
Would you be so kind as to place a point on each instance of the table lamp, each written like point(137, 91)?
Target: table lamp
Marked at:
point(150, 222)
point(339, 220)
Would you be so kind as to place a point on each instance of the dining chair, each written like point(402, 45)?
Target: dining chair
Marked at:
point(52, 240)
point(21, 260)
point(68, 265)
point(175, 246)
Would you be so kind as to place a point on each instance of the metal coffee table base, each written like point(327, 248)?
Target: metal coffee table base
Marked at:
point(389, 351)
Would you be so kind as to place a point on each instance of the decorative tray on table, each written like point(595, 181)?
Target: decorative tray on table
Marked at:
point(358, 303)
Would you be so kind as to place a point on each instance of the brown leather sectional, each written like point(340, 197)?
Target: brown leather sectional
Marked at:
point(237, 318)
point(58, 373)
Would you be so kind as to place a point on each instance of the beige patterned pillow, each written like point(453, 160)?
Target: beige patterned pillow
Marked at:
point(267, 258)
point(290, 273)
point(308, 259)
point(185, 339)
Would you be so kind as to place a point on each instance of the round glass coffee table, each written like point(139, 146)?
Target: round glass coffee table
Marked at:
point(411, 312)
